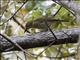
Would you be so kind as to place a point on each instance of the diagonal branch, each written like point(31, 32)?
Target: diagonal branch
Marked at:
point(15, 12)
point(19, 24)
point(47, 25)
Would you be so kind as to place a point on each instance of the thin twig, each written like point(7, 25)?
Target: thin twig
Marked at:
point(14, 43)
point(15, 12)
point(25, 55)
point(19, 24)
point(5, 9)
point(57, 11)
point(18, 56)
point(64, 7)
point(59, 50)
point(51, 32)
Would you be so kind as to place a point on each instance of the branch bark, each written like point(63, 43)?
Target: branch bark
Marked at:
point(40, 39)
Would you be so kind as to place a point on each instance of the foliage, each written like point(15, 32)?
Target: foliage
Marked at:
point(30, 12)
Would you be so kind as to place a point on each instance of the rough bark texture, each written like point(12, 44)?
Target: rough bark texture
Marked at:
point(40, 39)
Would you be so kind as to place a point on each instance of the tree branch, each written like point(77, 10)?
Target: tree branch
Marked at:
point(40, 39)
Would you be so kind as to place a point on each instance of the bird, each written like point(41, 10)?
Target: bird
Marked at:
point(40, 24)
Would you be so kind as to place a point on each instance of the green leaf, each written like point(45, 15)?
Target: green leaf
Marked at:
point(8, 30)
point(30, 5)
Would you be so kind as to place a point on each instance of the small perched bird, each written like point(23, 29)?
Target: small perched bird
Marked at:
point(40, 24)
